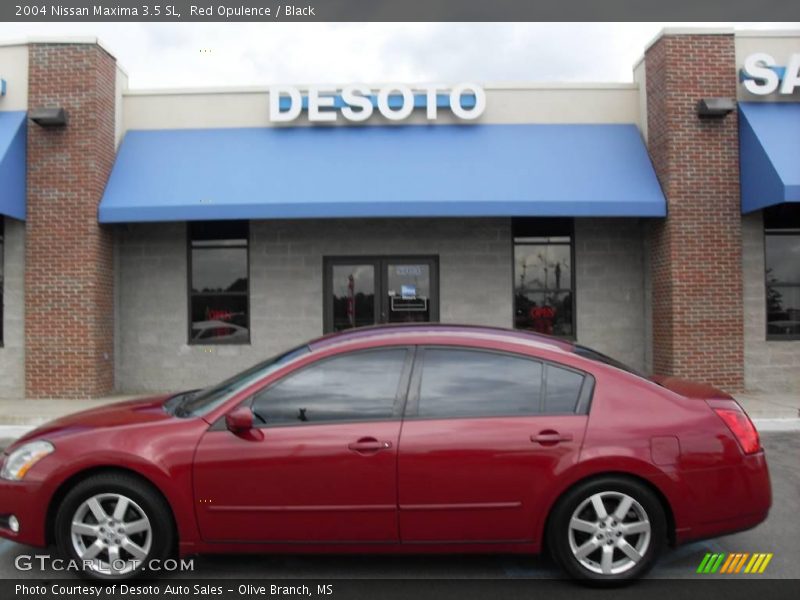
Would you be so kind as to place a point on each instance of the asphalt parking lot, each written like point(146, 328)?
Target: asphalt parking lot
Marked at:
point(780, 534)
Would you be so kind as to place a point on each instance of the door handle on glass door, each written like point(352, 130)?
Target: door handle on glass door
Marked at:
point(549, 437)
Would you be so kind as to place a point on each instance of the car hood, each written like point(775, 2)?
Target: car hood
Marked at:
point(690, 389)
point(119, 414)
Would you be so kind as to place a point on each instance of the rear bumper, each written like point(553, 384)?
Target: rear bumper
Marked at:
point(728, 499)
point(24, 500)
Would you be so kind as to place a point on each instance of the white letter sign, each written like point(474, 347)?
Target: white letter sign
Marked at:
point(295, 106)
point(357, 103)
point(763, 76)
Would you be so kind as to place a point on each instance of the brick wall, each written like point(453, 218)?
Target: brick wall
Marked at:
point(696, 252)
point(69, 270)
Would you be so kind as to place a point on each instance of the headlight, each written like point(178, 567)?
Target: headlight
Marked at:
point(23, 458)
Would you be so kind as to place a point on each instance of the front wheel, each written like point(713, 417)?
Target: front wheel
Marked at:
point(607, 531)
point(112, 525)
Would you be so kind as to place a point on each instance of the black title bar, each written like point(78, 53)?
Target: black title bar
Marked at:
point(398, 10)
point(744, 588)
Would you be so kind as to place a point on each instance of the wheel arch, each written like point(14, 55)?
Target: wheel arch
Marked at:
point(662, 498)
point(65, 486)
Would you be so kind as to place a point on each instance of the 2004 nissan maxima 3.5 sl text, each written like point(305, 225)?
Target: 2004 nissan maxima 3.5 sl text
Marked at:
point(411, 439)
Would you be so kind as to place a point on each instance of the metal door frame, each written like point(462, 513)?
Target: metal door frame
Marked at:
point(381, 264)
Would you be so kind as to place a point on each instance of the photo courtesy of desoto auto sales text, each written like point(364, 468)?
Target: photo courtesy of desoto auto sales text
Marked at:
point(430, 300)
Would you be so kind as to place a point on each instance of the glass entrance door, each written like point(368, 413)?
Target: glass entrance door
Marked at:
point(352, 296)
point(408, 292)
point(367, 291)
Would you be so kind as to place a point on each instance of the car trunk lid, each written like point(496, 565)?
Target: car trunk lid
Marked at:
point(691, 389)
point(724, 406)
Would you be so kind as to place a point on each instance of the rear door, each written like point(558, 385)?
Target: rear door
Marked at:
point(484, 435)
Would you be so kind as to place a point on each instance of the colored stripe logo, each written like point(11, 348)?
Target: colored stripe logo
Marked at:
point(734, 562)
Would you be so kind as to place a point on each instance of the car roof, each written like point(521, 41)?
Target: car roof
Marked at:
point(440, 330)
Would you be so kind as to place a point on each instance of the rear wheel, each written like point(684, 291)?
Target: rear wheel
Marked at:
point(608, 530)
point(112, 524)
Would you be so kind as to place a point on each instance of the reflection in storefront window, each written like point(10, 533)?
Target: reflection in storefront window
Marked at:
point(543, 277)
point(353, 288)
point(782, 249)
point(219, 283)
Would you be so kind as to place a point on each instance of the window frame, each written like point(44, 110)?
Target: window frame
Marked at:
point(190, 293)
point(546, 366)
point(400, 398)
point(380, 263)
point(2, 280)
point(545, 227)
point(582, 405)
point(769, 231)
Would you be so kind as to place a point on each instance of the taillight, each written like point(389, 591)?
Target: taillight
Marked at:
point(742, 428)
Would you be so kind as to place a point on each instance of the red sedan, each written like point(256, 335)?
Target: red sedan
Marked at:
point(413, 439)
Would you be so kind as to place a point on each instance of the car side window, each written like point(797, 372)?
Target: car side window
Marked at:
point(350, 387)
point(562, 390)
point(473, 383)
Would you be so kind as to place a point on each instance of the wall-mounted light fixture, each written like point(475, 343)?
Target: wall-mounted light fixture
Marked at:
point(715, 108)
point(49, 117)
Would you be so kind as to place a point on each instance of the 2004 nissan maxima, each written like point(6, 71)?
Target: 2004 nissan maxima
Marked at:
point(413, 439)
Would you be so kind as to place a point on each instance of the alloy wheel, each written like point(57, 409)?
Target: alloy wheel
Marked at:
point(111, 533)
point(609, 533)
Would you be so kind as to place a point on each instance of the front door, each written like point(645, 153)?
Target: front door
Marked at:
point(322, 464)
point(367, 291)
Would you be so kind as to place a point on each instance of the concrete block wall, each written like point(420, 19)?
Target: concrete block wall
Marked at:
point(769, 366)
point(610, 288)
point(12, 352)
point(475, 274)
point(475, 279)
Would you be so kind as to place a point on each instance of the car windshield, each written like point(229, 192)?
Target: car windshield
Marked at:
point(607, 360)
point(199, 402)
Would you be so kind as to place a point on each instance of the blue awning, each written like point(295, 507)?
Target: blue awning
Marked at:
point(13, 143)
point(382, 171)
point(769, 153)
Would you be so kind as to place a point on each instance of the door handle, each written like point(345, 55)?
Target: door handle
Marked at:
point(368, 444)
point(550, 437)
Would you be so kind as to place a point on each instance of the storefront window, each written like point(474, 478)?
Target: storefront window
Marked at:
point(782, 248)
point(365, 291)
point(2, 277)
point(543, 276)
point(352, 295)
point(219, 302)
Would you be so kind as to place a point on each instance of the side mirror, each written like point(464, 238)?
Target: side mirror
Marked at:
point(239, 419)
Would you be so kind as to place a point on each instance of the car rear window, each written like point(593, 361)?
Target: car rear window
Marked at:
point(563, 388)
point(469, 383)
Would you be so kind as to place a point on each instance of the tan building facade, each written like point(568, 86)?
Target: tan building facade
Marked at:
point(163, 297)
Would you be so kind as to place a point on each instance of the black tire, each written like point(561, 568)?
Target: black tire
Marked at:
point(159, 540)
point(561, 539)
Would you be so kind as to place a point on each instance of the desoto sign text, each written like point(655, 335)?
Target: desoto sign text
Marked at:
point(466, 101)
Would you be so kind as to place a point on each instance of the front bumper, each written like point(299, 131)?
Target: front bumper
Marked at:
point(27, 501)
